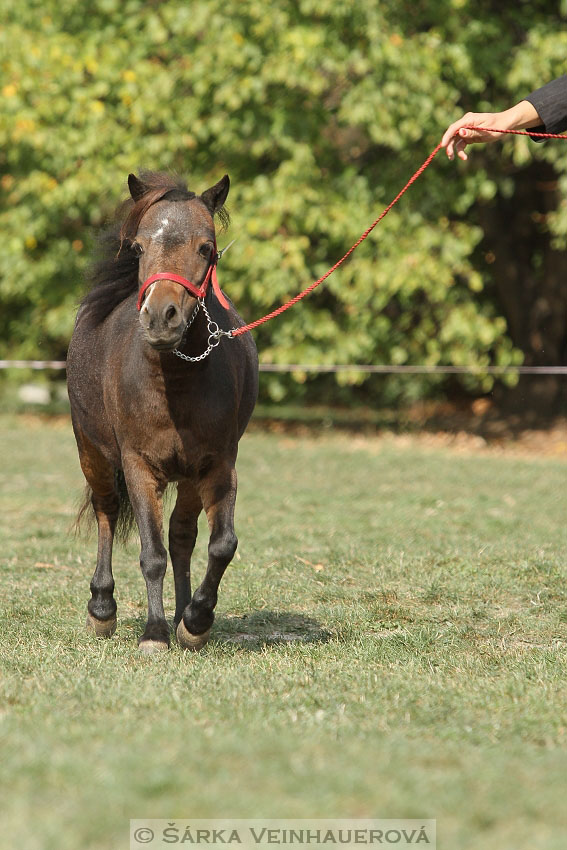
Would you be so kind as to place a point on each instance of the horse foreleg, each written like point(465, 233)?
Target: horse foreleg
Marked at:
point(182, 537)
point(146, 493)
point(218, 495)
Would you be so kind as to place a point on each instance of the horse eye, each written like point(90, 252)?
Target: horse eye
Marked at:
point(206, 250)
point(137, 249)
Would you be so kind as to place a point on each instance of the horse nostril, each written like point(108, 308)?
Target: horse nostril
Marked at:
point(170, 313)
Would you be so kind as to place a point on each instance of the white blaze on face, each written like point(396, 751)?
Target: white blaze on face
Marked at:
point(161, 229)
point(149, 293)
point(157, 235)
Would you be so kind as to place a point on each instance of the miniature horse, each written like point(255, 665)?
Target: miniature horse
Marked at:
point(144, 417)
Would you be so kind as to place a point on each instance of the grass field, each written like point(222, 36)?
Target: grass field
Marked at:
point(390, 642)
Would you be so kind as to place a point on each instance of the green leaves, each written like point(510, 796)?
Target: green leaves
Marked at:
point(318, 111)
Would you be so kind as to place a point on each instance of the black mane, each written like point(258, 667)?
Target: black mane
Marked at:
point(113, 275)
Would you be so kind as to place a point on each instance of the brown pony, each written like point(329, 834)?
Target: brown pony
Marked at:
point(148, 410)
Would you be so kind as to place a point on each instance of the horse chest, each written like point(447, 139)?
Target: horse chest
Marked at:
point(176, 428)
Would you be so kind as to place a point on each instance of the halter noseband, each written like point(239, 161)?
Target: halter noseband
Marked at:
point(197, 291)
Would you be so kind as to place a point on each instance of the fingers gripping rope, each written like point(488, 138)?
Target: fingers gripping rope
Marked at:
point(246, 328)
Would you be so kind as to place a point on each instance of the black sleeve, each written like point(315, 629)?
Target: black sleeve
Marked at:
point(550, 102)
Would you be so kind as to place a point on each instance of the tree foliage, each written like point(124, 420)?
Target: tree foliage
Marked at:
point(319, 111)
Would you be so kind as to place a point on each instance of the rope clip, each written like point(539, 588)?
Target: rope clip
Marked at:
point(224, 250)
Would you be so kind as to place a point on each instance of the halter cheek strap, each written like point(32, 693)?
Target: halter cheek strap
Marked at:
point(197, 291)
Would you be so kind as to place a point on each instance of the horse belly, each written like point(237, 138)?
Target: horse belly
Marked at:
point(85, 384)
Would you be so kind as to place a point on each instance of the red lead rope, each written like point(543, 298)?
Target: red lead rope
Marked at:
point(245, 328)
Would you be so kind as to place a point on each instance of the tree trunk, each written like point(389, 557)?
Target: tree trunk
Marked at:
point(530, 280)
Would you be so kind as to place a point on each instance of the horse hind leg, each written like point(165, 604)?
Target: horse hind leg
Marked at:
point(218, 495)
point(100, 476)
point(101, 613)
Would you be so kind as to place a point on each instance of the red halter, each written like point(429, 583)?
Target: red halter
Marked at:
point(197, 291)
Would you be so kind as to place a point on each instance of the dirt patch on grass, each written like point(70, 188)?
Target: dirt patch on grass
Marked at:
point(467, 428)
point(549, 442)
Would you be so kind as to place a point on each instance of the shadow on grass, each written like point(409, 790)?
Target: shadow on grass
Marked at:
point(249, 631)
point(267, 628)
point(475, 417)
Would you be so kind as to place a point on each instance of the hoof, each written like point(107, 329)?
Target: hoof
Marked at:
point(152, 647)
point(188, 641)
point(100, 628)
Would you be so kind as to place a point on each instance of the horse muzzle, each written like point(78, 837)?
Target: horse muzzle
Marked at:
point(164, 323)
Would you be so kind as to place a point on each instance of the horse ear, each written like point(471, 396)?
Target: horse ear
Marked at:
point(215, 197)
point(137, 188)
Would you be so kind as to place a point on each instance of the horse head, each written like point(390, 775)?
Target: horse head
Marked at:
point(176, 246)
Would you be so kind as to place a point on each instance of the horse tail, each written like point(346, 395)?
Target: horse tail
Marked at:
point(126, 520)
point(85, 519)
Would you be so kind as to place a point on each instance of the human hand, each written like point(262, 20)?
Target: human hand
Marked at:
point(457, 136)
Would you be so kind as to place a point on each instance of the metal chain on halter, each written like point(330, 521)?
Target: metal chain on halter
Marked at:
point(215, 334)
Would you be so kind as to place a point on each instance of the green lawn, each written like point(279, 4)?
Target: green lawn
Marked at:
point(390, 642)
